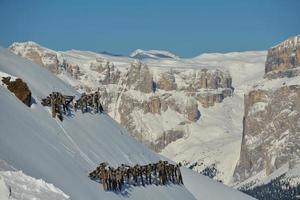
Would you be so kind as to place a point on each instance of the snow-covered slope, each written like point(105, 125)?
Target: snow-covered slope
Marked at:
point(216, 140)
point(4, 191)
point(244, 67)
point(20, 186)
point(63, 153)
point(202, 187)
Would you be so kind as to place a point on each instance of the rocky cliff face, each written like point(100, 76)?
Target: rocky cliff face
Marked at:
point(283, 58)
point(139, 78)
point(271, 126)
point(157, 105)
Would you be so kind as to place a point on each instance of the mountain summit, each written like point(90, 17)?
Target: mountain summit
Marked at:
point(152, 54)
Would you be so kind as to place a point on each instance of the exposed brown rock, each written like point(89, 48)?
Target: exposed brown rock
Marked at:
point(284, 56)
point(166, 81)
point(154, 106)
point(139, 77)
point(19, 88)
point(271, 135)
point(193, 114)
point(37, 54)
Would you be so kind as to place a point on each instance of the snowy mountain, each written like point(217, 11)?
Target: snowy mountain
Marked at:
point(63, 153)
point(152, 54)
point(168, 104)
point(217, 113)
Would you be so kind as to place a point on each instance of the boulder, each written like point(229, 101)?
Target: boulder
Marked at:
point(19, 88)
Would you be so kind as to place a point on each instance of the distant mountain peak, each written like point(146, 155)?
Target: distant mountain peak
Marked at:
point(152, 54)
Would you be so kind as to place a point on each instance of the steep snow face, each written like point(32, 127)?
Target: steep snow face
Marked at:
point(4, 191)
point(25, 187)
point(215, 191)
point(152, 54)
point(63, 153)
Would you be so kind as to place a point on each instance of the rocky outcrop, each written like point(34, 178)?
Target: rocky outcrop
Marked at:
point(207, 86)
point(37, 54)
point(193, 114)
point(139, 77)
point(207, 79)
point(107, 71)
point(166, 81)
point(130, 106)
point(72, 69)
point(154, 105)
point(19, 88)
point(208, 99)
point(283, 56)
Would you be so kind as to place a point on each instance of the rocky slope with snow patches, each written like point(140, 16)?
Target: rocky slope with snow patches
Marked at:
point(271, 126)
point(63, 153)
point(141, 96)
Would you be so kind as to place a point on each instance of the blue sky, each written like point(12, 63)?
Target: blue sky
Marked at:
point(184, 27)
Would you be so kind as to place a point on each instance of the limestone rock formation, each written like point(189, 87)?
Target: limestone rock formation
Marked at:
point(37, 54)
point(139, 77)
point(284, 56)
point(207, 79)
point(271, 132)
point(271, 126)
point(154, 105)
point(166, 81)
point(193, 114)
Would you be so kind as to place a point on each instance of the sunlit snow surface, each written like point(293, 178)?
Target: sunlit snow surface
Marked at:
point(63, 153)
